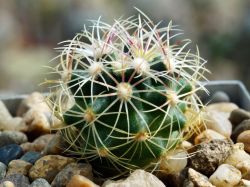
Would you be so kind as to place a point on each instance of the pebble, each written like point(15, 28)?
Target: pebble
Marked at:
point(40, 182)
point(244, 183)
point(3, 169)
point(206, 157)
point(207, 136)
point(239, 115)
point(31, 156)
point(243, 126)
point(38, 118)
point(62, 178)
point(186, 145)
point(244, 138)
point(18, 167)
point(5, 116)
point(174, 161)
point(218, 122)
point(48, 167)
point(7, 184)
point(38, 144)
point(18, 180)
point(12, 137)
point(137, 178)
point(220, 96)
point(198, 179)
point(244, 167)
point(7, 122)
point(10, 152)
point(222, 107)
point(240, 159)
point(54, 146)
point(31, 101)
point(225, 175)
point(80, 181)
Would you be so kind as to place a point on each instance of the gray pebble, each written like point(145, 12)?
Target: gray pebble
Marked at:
point(3, 169)
point(219, 97)
point(239, 115)
point(31, 156)
point(10, 152)
point(243, 126)
point(63, 177)
point(12, 137)
point(18, 180)
point(40, 182)
point(208, 156)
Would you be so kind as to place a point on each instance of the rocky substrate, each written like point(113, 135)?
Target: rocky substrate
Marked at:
point(31, 155)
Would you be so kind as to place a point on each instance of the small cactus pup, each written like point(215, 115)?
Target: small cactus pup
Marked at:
point(132, 91)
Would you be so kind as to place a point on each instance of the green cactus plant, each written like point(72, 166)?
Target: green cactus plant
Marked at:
point(130, 85)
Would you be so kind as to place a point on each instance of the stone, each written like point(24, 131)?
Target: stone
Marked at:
point(7, 122)
point(239, 115)
point(63, 177)
point(219, 97)
point(240, 160)
point(207, 136)
point(174, 161)
point(31, 156)
point(244, 138)
point(244, 183)
point(244, 167)
point(55, 146)
point(206, 157)
point(3, 169)
point(5, 116)
point(38, 144)
point(18, 180)
point(48, 167)
point(186, 145)
point(10, 152)
point(243, 126)
point(12, 137)
point(225, 175)
point(218, 122)
point(38, 118)
point(198, 179)
point(137, 178)
point(31, 102)
point(7, 184)
point(40, 182)
point(18, 167)
point(222, 107)
point(80, 181)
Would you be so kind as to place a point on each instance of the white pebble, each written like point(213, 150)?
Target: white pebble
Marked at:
point(207, 136)
point(225, 175)
point(218, 122)
point(174, 161)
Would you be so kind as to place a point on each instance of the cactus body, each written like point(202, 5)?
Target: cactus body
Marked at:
point(131, 89)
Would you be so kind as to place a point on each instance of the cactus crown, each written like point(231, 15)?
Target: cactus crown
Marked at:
point(131, 86)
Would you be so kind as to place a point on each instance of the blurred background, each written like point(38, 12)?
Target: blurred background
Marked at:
point(29, 30)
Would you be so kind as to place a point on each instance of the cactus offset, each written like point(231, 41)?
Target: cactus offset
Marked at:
point(131, 88)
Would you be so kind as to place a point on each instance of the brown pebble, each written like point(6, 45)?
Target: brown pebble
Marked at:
point(38, 144)
point(80, 181)
point(48, 167)
point(18, 167)
point(244, 138)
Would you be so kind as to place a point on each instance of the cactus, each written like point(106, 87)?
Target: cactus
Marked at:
point(132, 87)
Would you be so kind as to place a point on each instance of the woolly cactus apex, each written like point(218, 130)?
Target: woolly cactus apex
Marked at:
point(131, 85)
